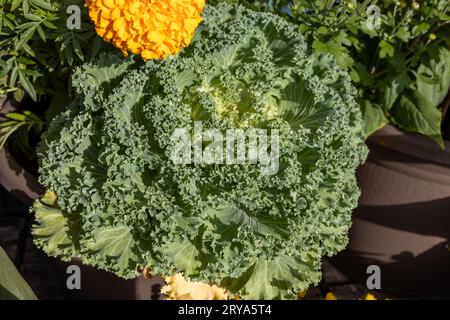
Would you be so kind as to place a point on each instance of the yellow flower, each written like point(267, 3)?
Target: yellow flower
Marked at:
point(177, 288)
point(370, 297)
point(152, 28)
point(330, 296)
point(49, 198)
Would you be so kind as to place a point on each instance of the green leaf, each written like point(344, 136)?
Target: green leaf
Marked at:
point(41, 33)
point(393, 88)
point(49, 25)
point(99, 75)
point(184, 255)
point(415, 113)
point(5, 124)
point(19, 94)
point(77, 49)
point(13, 77)
point(26, 25)
point(28, 86)
point(433, 77)
point(372, 32)
point(69, 55)
point(12, 285)
point(279, 278)
point(342, 38)
point(114, 242)
point(299, 107)
point(420, 28)
point(343, 58)
point(34, 18)
point(403, 34)
point(28, 50)
point(373, 116)
point(52, 229)
point(360, 74)
point(319, 46)
point(16, 116)
point(25, 6)
point(335, 48)
point(15, 4)
point(43, 4)
point(7, 130)
point(26, 36)
point(230, 218)
point(386, 49)
point(322, 30)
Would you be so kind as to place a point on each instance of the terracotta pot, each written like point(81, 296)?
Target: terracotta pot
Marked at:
point(402, 223)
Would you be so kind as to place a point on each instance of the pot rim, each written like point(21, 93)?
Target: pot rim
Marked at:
point(413, 144)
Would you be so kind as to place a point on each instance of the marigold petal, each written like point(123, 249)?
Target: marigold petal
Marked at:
point(153, 28)
point(108, 3)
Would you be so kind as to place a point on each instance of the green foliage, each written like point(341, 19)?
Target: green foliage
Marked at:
point(54, 228)
point(407, 56)
point(38, 53)
point(37, 48)
point(12, 285)
point(16, 121)
point(125, 205)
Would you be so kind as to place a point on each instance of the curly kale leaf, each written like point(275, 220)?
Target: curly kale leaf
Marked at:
point(108, 158)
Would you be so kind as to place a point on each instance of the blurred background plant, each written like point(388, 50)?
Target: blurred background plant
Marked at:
point(399, 60)
point(38, 52)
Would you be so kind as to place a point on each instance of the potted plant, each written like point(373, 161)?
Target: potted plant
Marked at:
point(398, 55)
point(136, 170)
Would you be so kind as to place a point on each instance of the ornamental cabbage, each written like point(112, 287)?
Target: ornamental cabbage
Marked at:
point(123, 204)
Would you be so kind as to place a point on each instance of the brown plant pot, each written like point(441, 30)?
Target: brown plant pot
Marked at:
point(402, 223)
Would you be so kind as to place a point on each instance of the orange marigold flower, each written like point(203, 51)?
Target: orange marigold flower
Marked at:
point(152, 28)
